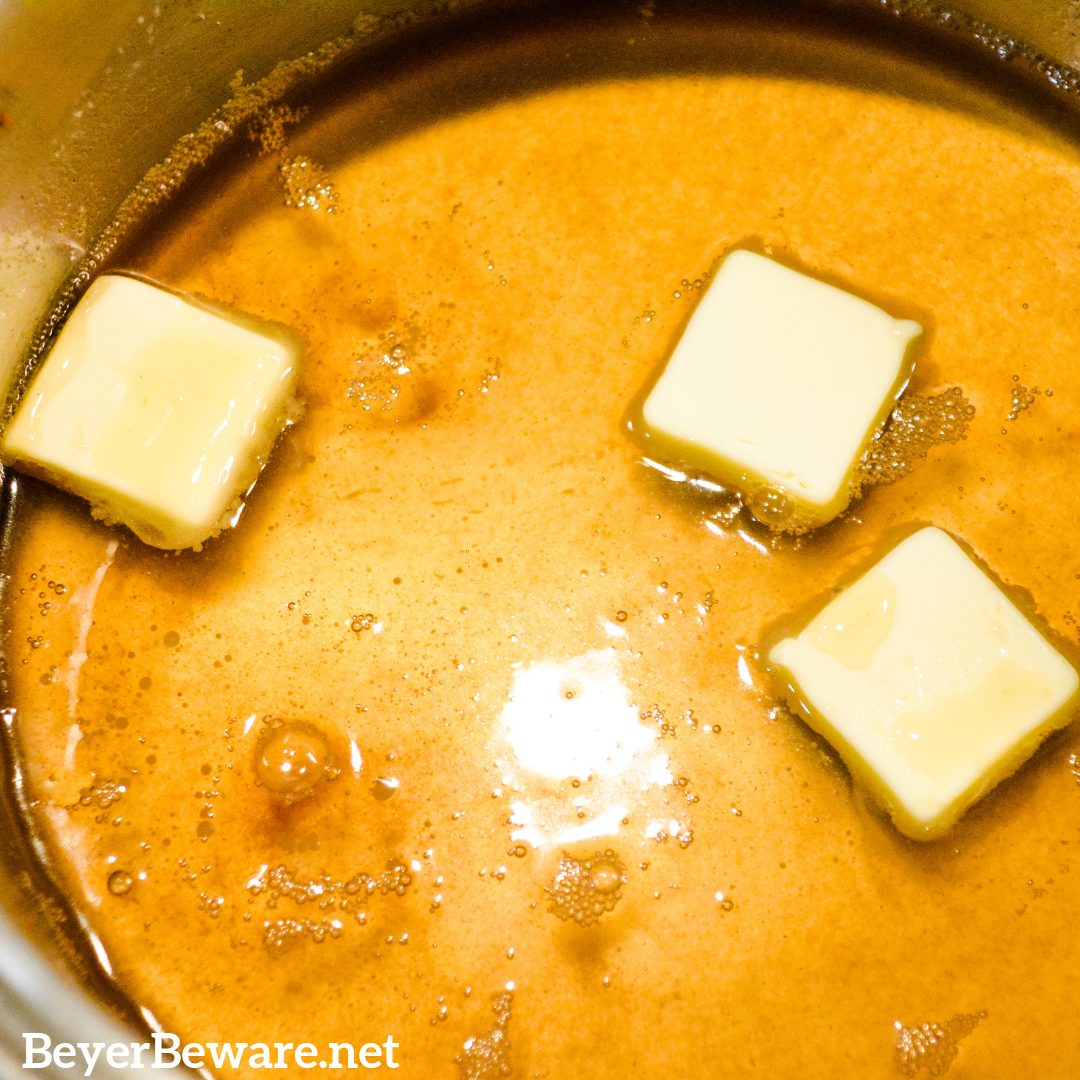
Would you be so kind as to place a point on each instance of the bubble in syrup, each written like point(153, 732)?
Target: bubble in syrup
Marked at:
point(293, 758)
point(120, 882)
point(585, 889)
point(606, 876)
point(932, 1047)
point(771, 507)
point(382, 787)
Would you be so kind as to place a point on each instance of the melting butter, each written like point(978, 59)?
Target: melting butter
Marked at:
point(156, 408)
point(931, 684)
point(776, 385)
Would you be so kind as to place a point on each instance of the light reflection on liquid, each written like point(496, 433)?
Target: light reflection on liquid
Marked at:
point(84, 597)
point(575, 756)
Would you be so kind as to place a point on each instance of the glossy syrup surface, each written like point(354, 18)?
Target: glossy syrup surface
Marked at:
point(453, 737)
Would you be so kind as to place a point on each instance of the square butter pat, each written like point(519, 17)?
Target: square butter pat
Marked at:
point(927, 680)
point(776, 385)
point(158, 409)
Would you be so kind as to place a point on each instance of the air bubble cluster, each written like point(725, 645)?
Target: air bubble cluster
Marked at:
point(268, 129)
point(932, 1047)
point(585, 889)
point(364, 621)
point(101, 795)
point(391, 386)
point(1023, 397)
point(490, 375)
point(487, 1057)
point(280, 882)
point(329, 895)
point(916, 425)
point(656, 717)
point(279, 933)
point(307, 185)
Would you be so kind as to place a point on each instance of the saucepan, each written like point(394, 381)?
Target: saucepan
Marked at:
point(93, 98)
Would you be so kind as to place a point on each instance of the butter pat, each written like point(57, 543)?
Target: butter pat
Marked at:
point(158, 409)
point(775, 387)
point(927, 680)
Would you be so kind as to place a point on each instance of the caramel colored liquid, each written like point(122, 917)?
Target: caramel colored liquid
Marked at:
point(458, 546)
